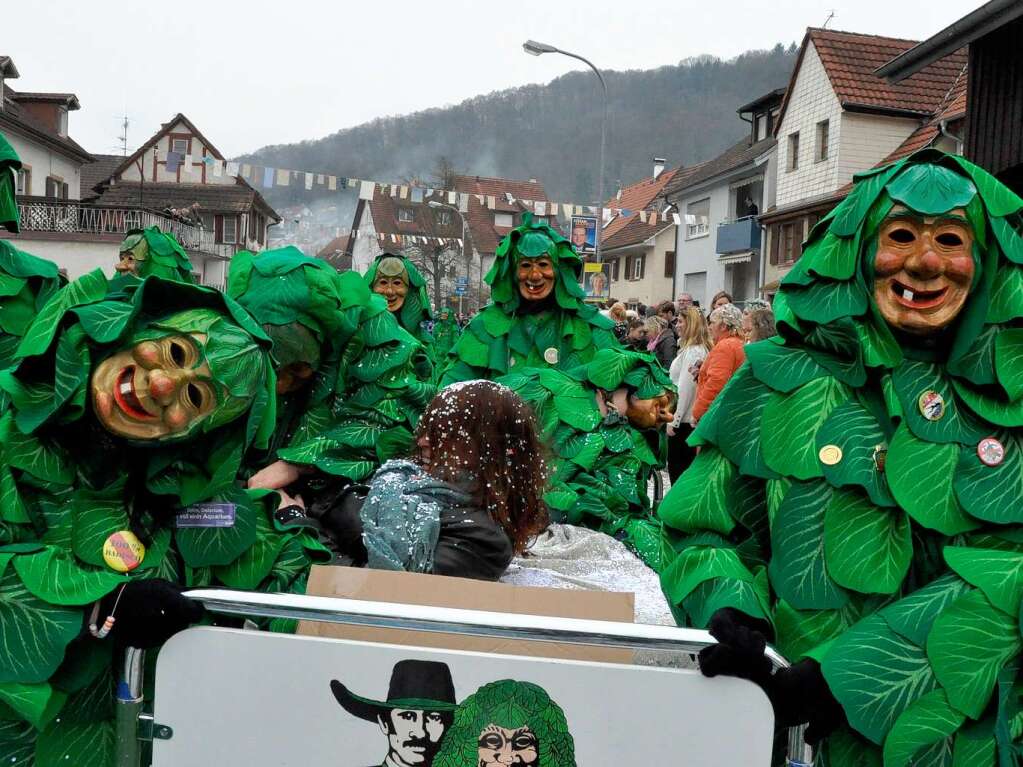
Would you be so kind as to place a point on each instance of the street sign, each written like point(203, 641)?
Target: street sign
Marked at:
point(460, 290)
point(462, 281)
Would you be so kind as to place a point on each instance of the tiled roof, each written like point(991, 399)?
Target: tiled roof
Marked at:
point(69, 99)
point(851, 60)
point(639, 195)
point(98, 170)
point(165, 129)
point(425, 220)
point(631, 231)
point(520, 190)
point(734, 157)
point(212, 198)
point(15, 116)
point(953, 108)
point(334, 252)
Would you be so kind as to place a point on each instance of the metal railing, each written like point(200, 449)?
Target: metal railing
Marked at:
point(72, 217)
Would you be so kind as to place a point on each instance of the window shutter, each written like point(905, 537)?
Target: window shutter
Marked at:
point(669, 264)
point(798, 233)
point(628, 267)
point(218, 228)
point(642, 266)
point(63, 191)
point(775, 245)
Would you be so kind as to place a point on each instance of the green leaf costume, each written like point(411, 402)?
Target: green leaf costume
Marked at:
point(26, 284)
point(849, 490)
point(67, 483)
point(601, 463)
point(149, 251)
point(562, 332)
point(445, 334)
point(10, 164)
point(414, 315)
point(511, 705)
point(362, 404)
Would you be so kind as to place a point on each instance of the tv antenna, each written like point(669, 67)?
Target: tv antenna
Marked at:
point(831, 15)
point(123, 138)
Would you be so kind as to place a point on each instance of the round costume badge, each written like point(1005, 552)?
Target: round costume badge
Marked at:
point(830, 455)
point(932, 405)
point(990, 451)
point(123, 551)
point(551, 355)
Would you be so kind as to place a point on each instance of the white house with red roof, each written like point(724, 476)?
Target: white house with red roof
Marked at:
point(840, 117)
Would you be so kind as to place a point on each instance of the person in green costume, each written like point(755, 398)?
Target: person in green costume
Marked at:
point(445, 333)
point(10, 164)
point(537, 317)
point(347, 392)
point(149, 251)
point(26, 284)
point(604, 422)
point(130, 413)
point(396, 278)
point(505, 723)
point(858, 496)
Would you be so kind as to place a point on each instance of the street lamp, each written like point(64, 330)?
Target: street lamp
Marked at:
point(465, 243)
point(533, 48)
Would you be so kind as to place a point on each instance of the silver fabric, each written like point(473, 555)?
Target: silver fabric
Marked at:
point(568, 557)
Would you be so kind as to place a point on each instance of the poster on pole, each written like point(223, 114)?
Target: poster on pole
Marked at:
point(584, 234)
point(597, 281)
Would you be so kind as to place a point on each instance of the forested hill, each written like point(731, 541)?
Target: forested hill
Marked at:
point(684, 113)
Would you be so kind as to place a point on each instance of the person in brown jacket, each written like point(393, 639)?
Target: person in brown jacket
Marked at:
point(724, 359)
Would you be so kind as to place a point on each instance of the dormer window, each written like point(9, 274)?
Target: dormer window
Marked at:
point(406, 215)
point(504, 219)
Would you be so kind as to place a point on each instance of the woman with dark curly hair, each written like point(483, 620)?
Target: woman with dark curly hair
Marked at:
point(469, 500)
point(508, 723)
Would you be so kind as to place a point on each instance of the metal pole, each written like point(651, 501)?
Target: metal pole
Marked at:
point(603, 146)
point(128, 707)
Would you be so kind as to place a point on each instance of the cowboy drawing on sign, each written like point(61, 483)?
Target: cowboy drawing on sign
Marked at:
point(418, 710)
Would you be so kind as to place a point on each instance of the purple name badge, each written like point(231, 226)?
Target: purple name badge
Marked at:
point(207, 515)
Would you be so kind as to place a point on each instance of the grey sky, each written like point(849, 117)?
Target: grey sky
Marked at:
point(256, 73)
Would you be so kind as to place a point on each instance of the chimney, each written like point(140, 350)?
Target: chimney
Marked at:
point(658, 166)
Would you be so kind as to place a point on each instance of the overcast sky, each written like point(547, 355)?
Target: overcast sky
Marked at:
point(255, 73)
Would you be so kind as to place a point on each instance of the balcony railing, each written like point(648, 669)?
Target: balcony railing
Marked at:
point(72, 217)
point(737, 236)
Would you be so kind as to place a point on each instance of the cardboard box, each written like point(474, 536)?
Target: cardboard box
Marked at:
point(465, 593)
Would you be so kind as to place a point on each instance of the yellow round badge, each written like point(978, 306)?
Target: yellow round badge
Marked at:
point(123, 551)
point(830, 455)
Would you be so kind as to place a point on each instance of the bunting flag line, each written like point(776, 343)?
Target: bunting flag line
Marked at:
point(268, 178)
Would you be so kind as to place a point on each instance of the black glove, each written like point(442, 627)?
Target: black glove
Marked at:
point(341, 521)
point(148, 612)
point(799, 693)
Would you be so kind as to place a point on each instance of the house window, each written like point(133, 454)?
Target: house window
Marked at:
point(669, 264)
point(821, 148)
point(406, 214)
point(634, 267)
point(786, 242)
point(698, 218)
point(443, 217)
point(614, 269)
point(56, 188)
point(179, 145)
point(24, 180)
point(504, 219)
point(230, 230)
point(793, 163)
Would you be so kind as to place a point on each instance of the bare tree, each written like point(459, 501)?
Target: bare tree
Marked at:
point(437, 263)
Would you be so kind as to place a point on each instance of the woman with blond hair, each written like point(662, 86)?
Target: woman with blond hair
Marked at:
point(693, 346)
point(621, 320)
point(726, 356)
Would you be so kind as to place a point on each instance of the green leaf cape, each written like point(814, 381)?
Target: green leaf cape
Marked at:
point(365, 399)
point(66, 484)
point(874, 539)
point(508, 334)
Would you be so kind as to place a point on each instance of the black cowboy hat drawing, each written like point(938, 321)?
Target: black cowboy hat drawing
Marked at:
point(415, 684)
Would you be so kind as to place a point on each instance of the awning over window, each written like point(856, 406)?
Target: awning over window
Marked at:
point(736, 258)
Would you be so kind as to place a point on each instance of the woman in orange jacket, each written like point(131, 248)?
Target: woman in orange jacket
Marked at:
point(724, 359)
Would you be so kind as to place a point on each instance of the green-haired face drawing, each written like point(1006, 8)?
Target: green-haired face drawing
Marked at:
point(392, 283)
point(192, 370)
point(132, 252)
point(923, 269)
point(508, 723)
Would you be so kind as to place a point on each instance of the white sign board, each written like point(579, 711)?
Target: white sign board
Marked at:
point(251, 699)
